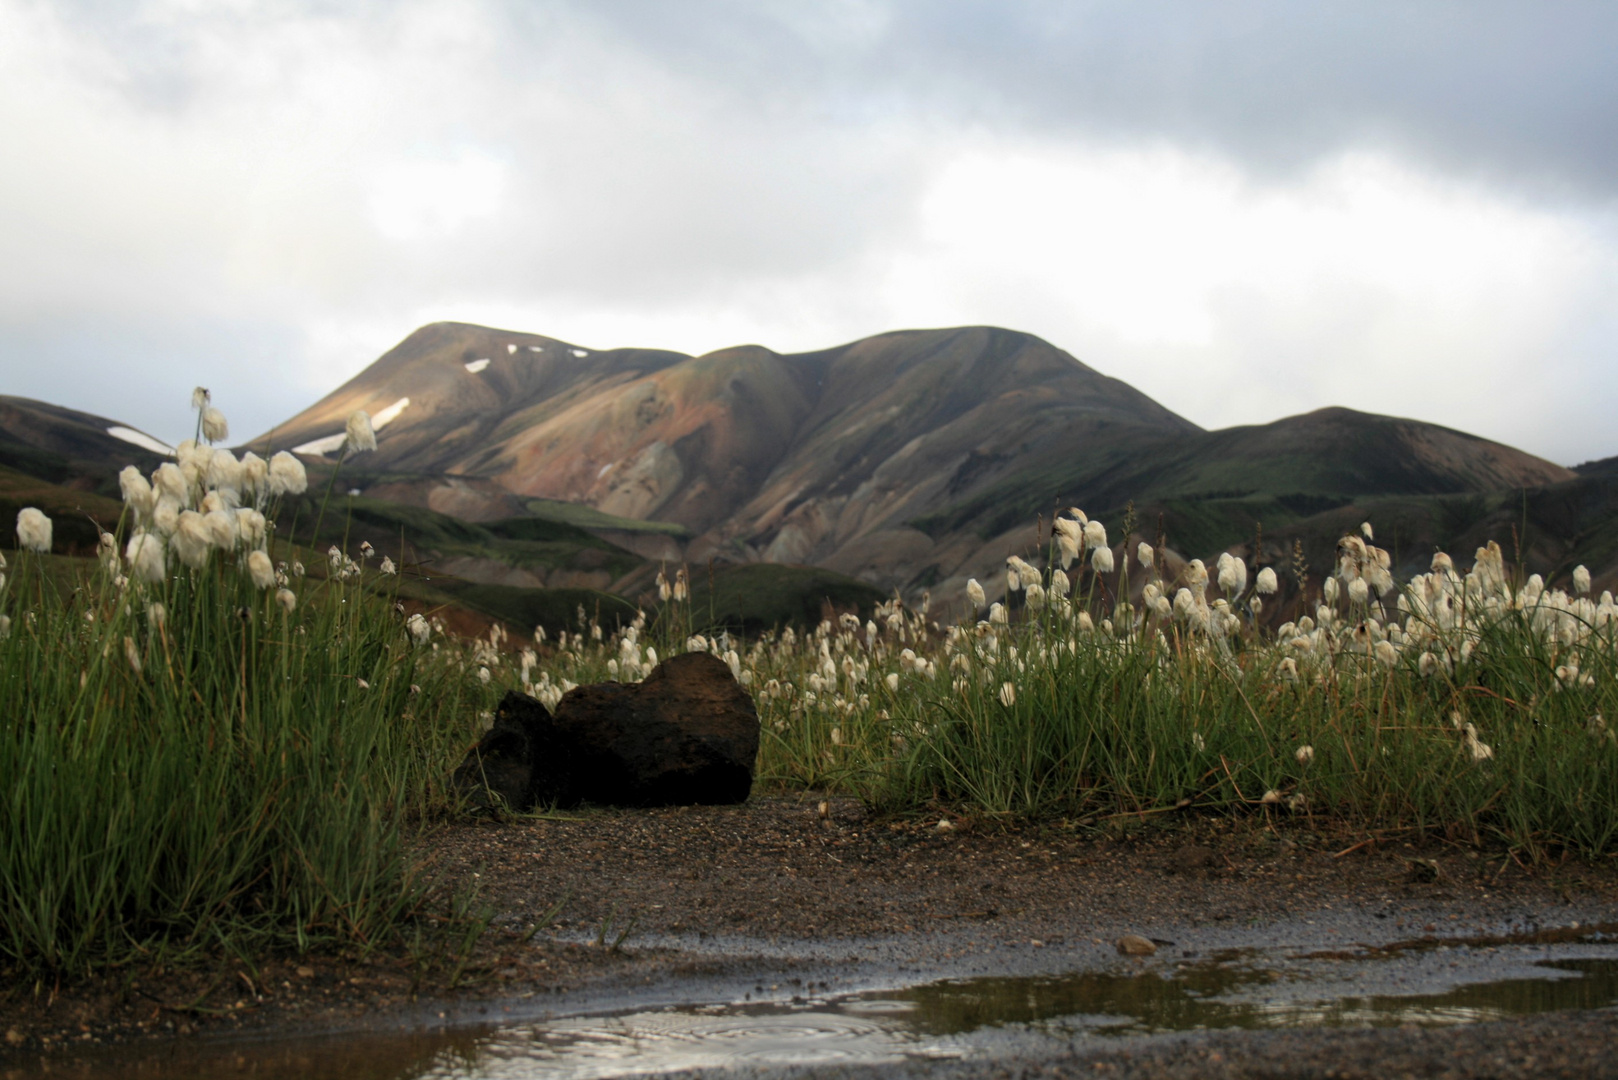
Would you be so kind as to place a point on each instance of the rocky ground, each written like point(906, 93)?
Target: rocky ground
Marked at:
point(602, 906)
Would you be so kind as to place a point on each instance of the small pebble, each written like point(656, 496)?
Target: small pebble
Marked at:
point(1135, 945)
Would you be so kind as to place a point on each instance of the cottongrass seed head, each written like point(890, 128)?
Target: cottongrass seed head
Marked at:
point(359, 435)
point(33, 529)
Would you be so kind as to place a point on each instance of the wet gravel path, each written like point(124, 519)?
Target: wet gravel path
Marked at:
point(721, 901)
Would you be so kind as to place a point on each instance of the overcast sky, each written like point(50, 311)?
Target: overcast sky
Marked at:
point(1247, 210)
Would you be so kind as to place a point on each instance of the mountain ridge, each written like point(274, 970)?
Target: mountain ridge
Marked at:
point(907, 457)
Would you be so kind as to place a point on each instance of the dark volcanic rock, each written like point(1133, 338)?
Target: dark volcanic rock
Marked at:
point(687, 734)
point(524, 753)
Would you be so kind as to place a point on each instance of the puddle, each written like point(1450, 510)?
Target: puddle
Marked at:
point(978, 1017)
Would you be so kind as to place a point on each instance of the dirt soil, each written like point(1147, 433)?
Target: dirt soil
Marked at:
point(702, 892)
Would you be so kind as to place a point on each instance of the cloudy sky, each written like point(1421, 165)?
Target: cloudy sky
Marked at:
point(1247, 210)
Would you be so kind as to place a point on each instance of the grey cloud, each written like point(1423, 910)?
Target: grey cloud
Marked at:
point(1513, 91)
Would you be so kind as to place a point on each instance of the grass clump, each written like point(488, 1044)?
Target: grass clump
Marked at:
point(204, 746)
point(1470, 707)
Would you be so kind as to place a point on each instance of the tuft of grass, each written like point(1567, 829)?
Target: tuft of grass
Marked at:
point(229, 772)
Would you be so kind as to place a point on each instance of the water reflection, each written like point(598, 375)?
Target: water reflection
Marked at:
point(1219, 996)
point(940, 1019)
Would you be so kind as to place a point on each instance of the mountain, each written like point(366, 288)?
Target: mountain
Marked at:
point(72, 448)
point(909, 459)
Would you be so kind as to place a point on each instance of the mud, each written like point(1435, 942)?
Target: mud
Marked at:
point(770, 901)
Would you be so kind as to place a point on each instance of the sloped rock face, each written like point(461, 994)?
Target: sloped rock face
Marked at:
point(687, 734)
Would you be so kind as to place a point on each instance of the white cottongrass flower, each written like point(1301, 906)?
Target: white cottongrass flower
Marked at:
point(1101, 557)
point(1060, 585)
point(146, 557)
point(892, 680)
point(1144, 554)
point(137, 493)
point(1069, 547)
point(1358, 591)
point(1366, 531)
point(387, 569)
point(200, 397)
point(1095, 534)
point(1026, 572)
point(287, 599)
point(1329, 590)
point(420, 629)
point(974, 594)
point(1480, 751)
point(359, 435)
point(157, 615)
point(287, 475)
point(169, 481)
point(483, 675)
point(1305, 755)
point(1008, 694)
point(251, 526)
point(193, 540)
point(1581, 580)
point(1232, 574)
point(132, 654)
point(997, 613)
point(214, 427)
point(1266, 583)
point(1288, 669)
point(1036, 596)
point(1270, 797)
point(33, 529)
point(255, 474)
point(1198, 743)
point(224, 471)
point(260, 569)
point(222, 528)
point(1387, 654)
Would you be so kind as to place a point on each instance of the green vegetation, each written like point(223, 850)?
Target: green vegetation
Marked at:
point(552, 609)
point(189, 764)
point(210, 740)
point(416, 534)
point(750, 598)
point(1469, 707)
point(588, 517)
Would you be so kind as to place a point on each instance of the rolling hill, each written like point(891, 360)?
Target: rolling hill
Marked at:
point(909, 460)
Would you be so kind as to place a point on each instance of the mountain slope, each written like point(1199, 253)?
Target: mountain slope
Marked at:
point(906, 459)
point(65, 446)
point(757, 453)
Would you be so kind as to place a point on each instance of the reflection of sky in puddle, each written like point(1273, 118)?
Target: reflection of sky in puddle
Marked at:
point(951, 1018)
point(681, 1039)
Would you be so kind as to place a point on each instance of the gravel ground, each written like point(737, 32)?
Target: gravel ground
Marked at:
point(714, 898)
